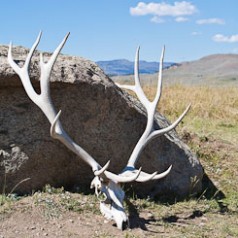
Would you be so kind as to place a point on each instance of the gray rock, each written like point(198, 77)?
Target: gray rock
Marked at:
point(104, 120)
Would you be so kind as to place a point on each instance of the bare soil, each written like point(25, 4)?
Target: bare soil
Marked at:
point(26, 219)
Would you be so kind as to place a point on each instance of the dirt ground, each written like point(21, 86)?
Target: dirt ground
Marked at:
point(48, 217)
point(26, 219)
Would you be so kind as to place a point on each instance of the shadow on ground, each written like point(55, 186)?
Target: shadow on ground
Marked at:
point(209, 192)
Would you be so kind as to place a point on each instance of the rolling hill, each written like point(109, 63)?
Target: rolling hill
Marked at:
point(219, 69)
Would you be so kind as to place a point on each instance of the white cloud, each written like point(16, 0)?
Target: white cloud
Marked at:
point(178, 10)
point(227, 39)
point(211, 21)
point(181, 19)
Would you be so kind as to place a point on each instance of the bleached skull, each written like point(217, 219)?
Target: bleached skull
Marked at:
point(111, 206)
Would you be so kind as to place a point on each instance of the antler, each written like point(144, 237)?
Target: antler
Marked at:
point(104, 182)
point(43, 101)
point(149, 133)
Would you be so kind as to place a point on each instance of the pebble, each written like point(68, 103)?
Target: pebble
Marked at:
point(150, 215)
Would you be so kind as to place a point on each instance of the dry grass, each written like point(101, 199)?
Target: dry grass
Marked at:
point(214, 109)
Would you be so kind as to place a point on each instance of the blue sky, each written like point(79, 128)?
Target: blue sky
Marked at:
point(112, 29)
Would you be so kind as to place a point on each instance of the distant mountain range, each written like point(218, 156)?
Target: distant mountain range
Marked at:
point(126, 67)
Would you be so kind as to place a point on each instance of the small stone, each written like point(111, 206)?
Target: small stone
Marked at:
point(150, 216)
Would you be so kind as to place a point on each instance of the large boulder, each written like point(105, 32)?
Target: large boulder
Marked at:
point(100, 117)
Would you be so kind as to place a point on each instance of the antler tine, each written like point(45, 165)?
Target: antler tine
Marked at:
point(159, 84)
point(165, 130)
point(47, 67)
point(23, 72)
point(138, 89)
point(32, 50)
point(144, 177)
point(121, 179)
point(163, 174)
point(137, 86)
